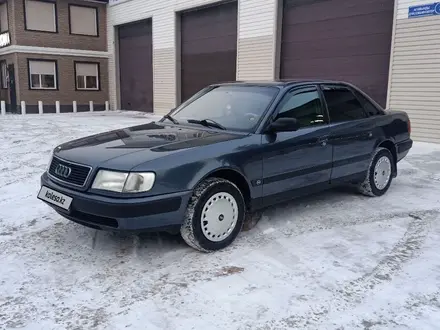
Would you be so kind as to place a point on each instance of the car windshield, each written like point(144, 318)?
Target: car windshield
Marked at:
point(236, 108)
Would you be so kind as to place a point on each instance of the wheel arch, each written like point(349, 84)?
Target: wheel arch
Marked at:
point(391, 146)
point(234, 176)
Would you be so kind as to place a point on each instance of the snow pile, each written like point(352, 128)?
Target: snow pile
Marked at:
point(336, 260)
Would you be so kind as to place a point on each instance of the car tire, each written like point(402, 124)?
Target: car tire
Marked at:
point(379, 175)
point(214, 216)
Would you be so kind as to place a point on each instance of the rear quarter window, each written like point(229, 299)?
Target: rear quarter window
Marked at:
point(369, 107)
point(342, 104)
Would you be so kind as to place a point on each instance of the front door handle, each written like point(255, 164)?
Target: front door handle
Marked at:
point(323, 140)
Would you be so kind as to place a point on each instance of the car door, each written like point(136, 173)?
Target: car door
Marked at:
point(298, 162)
point(351, 133)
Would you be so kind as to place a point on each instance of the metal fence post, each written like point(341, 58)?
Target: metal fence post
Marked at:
point(40, 107)
point(3, 108)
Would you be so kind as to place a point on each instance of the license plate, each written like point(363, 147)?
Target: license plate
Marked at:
point(54, 197)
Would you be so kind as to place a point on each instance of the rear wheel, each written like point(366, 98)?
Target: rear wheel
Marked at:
point(214, 216)
point(380, 174)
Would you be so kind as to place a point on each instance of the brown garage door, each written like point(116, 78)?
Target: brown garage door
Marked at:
point(209, 47)
point(339, 39)
point(136, 66)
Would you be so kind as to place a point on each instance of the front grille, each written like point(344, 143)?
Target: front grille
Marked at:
point(78, 175)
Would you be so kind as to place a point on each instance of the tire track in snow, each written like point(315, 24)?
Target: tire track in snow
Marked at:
point(354, 292)
point(305, 224)
point(406, 248)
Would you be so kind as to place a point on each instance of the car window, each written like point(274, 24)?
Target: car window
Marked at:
point(369, 107)
point(303, 105)
point(234, 107)
point(342, 104)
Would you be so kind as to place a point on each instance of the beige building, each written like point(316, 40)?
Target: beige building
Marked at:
point(163, 51)
point(53, 51)
point(415, 67)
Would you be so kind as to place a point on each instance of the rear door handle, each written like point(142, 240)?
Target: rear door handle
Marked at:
point(369, 134)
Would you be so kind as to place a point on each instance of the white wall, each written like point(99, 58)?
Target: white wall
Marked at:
point(257, 39)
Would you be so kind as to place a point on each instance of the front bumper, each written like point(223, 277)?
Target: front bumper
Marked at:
point(163, 212)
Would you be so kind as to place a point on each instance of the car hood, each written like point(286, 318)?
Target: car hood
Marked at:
point(132, 146)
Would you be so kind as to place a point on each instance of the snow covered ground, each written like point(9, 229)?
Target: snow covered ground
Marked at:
point(336, 260)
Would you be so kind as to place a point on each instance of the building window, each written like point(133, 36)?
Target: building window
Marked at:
point(4, 24)
point(43, 74)
point(40, 16)
point(4, 74)
point(87, 76)
point(83, 20)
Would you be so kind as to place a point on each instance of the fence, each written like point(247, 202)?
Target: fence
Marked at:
point(56, 108)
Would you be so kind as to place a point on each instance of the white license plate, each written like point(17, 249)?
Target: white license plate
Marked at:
point(55, 198)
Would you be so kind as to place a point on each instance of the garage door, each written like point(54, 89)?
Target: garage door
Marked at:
point(339, 39)
point(209, 47)
point(136, 66)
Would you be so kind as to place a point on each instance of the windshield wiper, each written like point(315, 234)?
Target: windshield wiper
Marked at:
point(207, 123)
point(171, 119)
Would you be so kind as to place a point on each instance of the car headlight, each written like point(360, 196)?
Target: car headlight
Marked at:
point(124, 182)
point(139, 182)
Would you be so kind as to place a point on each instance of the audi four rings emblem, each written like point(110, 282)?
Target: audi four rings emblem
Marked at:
point(63, 171)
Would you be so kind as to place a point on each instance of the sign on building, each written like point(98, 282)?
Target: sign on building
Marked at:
point(432, 9)
point(115, 2)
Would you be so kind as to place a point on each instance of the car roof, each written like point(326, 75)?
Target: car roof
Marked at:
point(280, 83)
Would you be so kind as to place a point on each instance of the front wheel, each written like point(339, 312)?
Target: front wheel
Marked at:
point(380, 174)
point(214, 216)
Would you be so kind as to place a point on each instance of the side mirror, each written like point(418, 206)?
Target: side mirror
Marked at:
point(284, 125)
